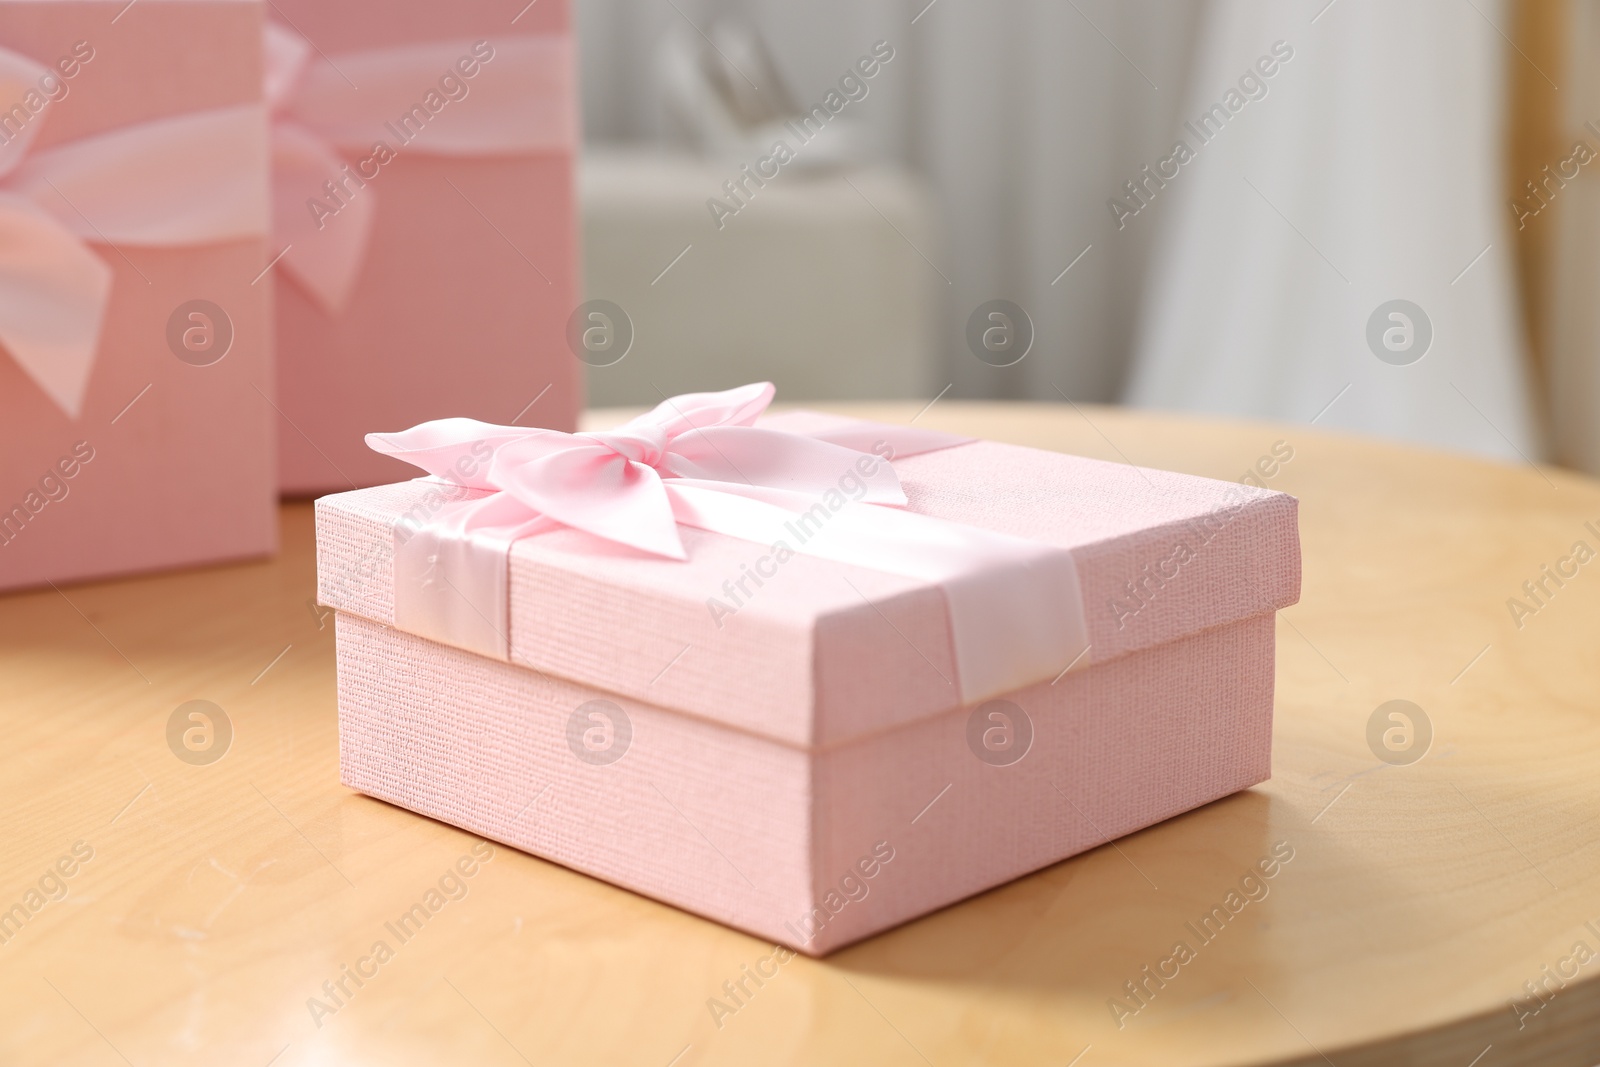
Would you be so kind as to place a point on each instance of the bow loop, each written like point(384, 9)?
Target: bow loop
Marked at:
point(456, 450)
point(695, 411)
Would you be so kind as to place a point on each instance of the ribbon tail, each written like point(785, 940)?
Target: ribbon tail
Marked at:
point(451, 572)
point(749, 456)
point(1016, 606)
point(53, 295)
point(284, 58)
point(740, 406)
point(322, 234)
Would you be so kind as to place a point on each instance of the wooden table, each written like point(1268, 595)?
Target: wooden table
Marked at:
point(220, 897)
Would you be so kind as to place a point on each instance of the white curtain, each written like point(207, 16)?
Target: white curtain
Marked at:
point(1369, 172)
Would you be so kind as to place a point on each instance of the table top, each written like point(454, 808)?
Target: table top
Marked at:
point(192, 911)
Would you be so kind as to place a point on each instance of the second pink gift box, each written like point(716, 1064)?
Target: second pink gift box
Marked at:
point(806, 676)
point(136, 385)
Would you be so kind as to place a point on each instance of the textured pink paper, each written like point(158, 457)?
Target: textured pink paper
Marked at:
point(824, 652)
point(185, 474)
point(461, 307)
point(756, 833)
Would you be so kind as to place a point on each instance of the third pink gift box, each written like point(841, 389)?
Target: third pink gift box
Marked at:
point(423, 209)
point(807, 676)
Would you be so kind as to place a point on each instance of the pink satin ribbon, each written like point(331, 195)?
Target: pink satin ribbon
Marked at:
point(190, 179)
point(1016, 609)
point(328, 116)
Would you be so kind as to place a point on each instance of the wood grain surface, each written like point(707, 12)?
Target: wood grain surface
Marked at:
point(1442, 911)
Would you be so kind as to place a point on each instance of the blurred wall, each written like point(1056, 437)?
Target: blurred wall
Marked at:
point(1022, 116)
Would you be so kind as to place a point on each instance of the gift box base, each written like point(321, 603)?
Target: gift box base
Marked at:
point(809, 848)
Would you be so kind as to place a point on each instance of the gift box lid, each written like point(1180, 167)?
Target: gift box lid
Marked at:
point(813, 653)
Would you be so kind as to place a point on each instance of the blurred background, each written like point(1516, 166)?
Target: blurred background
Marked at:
point(1373, 216)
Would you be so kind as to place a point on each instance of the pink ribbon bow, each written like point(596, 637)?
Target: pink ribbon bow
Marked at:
point(338, 124)
point(188, 179)
point(699, 460)
point(634, 484)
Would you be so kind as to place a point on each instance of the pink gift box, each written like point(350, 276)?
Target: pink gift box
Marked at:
point(455, 247)
point(135, 374)
point(803, 768)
